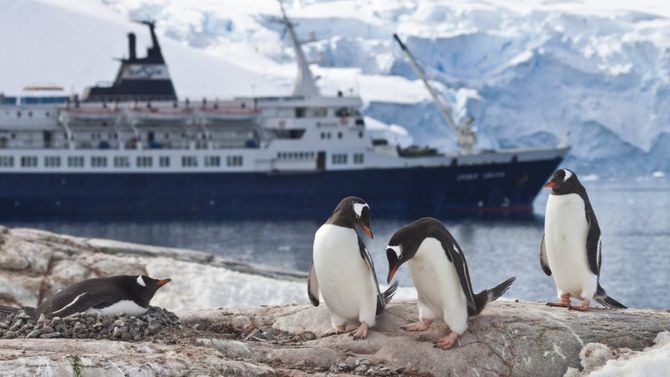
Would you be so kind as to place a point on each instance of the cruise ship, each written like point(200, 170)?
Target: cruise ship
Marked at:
point(134, 148)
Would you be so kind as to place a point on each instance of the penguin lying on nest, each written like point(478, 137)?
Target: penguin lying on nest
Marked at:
point(441, 277)
point(123, 294)
point(570, 246)
point(343, 270)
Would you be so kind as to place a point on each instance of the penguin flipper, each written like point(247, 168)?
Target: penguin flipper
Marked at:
point(458, 260)
point(313, 286)
point(593, 243)
point(382, 298)
point(544, 262)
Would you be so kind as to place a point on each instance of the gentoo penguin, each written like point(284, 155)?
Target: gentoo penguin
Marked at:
point(342, 270)
point(570, 246)
point(112, 295)
point(441, 277)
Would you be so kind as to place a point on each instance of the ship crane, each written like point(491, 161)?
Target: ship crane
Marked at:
point(305, 84)
point(465, 134)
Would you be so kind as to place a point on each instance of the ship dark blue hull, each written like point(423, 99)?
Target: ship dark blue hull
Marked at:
point(408, 192)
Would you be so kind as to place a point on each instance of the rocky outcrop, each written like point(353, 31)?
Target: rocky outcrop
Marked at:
point(508, 339)
point(34, 264)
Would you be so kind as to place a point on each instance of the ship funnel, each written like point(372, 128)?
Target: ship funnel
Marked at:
point(131, 46)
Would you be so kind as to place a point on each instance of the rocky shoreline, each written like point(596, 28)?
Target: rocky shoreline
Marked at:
point(510, 338)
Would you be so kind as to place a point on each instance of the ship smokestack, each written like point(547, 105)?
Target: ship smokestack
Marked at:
point(131, 46)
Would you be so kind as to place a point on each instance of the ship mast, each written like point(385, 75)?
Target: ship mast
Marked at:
point(465, 134)
point(305, 85)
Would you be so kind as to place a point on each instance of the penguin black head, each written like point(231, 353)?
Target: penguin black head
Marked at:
point(563, 181)
point(405, 243)
point(352, 211)
point(144, 288)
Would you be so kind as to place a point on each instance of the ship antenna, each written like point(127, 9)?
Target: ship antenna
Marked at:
point(305, 84)
point(465, 134)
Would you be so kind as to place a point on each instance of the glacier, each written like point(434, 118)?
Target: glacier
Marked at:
point(529, 72)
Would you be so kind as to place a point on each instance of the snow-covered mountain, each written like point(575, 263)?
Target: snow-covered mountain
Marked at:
point(528, 71)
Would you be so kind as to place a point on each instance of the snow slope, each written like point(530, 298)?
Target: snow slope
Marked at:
point(528, 71)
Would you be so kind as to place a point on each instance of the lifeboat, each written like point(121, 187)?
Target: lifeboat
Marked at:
point(159, 116)
point(227, 114)
point(87, 115)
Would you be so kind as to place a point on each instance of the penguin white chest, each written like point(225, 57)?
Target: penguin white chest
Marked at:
point(437, 284)
point(128, 307)
point(345, 281)
point(565, 231)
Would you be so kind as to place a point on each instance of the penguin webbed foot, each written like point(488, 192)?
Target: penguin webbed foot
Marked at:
point(418, 326)
point(446, 342)
point(584, 307)
point(361, 332)
point(564, 303)
point(340, 329)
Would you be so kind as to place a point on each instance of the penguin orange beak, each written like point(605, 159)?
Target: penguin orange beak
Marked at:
point(162, 282)
point(392, 272)
point(368, 231)
point(550, 184)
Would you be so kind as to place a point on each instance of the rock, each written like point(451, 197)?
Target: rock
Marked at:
point(35, 264)
point(13, 262)
point(34, 334)
point(50, 335)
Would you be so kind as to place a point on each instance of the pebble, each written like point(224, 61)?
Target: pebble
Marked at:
point(89, 326)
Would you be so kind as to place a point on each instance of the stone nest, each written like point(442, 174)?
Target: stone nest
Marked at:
point(90, 326)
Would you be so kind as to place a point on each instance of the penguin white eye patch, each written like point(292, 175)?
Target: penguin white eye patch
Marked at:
point(568, 174)
point(397, 249)
point(358, 208)
point(140, 281)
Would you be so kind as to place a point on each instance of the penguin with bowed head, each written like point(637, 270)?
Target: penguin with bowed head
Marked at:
point(343, 272)
point(124, 294)
point(441, 277)
point(570, 249)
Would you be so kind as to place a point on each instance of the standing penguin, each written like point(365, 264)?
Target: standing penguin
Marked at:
point(570, 247)
point(343, 271)
point(126, 294)
point(441, 277)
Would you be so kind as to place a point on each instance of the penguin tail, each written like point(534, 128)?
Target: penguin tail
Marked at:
point(8, 310)
point(384, 298)
point(389, 292)
point(603, 299)
point(487, 296)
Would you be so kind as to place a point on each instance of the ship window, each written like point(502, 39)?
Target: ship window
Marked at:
point(212, 161)
point(358, 158)
point(47, 114)
point(360, 134)
point(121, 162)
point(300, 112)
point(30, 114)
point(339, 159)
point(52, 161)
point(234, 160)
point(75, 161)
point(164, 161)
point(187, 161)
point(98, 161)
point(6, 161)
point(339, 135)
point(144, 161)
point(18, 114)
point(13, 135)
point(318, 112)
